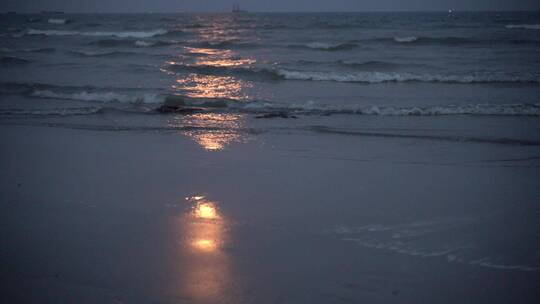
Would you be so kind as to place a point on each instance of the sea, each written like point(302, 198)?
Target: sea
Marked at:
point(343, 70)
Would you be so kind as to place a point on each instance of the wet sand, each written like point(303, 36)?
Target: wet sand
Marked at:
point(147, 217)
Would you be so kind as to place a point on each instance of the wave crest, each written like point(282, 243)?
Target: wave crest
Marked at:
point(57, 21)
point(524, 26)
point(434, 40)
point(324, 46)
point(379, 110)
point(119, 34)
point(100, 96)
point(380, 77)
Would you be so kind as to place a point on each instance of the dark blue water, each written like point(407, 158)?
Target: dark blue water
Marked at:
point(376, 63)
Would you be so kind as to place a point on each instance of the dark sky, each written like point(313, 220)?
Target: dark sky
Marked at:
point(263, 5)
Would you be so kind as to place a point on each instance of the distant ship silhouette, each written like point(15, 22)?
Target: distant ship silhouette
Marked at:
point(236, 9)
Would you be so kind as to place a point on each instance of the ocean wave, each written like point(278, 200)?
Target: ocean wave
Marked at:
point(36, 50)
point(326, 46)
point(57, 21)
point(355, 76)
point(143, 43)
point(381, 77)
point(173, 33)
point(524, 26)
point(110, 43)
point(158, 96)
point(50, 112)
point(102, 54)
point(119, 34)
point(363, 66)
point(405, 39)
point(434, 40)
point(263, 73)
point(195, 25)
point(485, 262)
point(231, 43)
point(113, 43)
point(100, 96)
point(466, 109)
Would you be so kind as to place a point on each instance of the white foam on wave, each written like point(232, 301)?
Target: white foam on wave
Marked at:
point(380, 77)
point(524, 26)
point(485, 262)
point(57, 21)
point(405, 39)
point(100, 96)
point(320, 45)
point(90, 53)
point(121, 34)
point(142, 43)
point(470, 109)
point(49, 112)
point(316, 45)
point(465, 109)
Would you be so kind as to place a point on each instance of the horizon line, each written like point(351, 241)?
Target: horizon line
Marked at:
point(257, 11)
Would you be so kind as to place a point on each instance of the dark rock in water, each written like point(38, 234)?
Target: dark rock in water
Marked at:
point(276, 115)
point(214, 104)
point(395, 292)
point(174, 101)
point(176, 104)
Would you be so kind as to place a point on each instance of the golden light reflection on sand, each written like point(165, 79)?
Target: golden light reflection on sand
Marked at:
point(207, 236)
point(206, 211)
point(205, 273)
point(205, 245)
point(213, 131)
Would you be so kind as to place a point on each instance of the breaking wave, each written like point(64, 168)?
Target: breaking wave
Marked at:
point(102, 54)
point(368, 77)
point(363, 66)
point(380, 77)
point(224, 70)
point(434, 40)
point(57, 21)
point(406, 39)
point(157, 96)
point(467, 109)
point(119, 34)
point(524, 26)
point(36, 50)
point(100, 96)
point(129, 43)
point(50, 112)
point(231, 43)
point(325, 46)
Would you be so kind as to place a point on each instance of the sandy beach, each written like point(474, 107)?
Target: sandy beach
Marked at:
point(144, 217)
